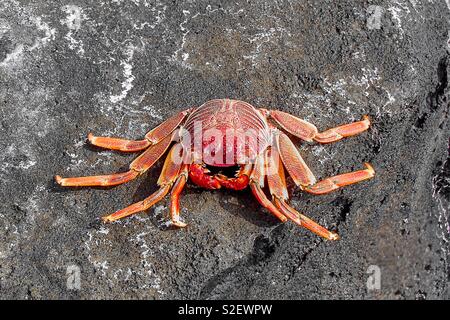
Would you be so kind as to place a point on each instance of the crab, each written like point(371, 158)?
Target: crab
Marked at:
point(221, 134)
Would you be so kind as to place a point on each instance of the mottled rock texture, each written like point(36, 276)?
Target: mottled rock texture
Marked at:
point(121, 67)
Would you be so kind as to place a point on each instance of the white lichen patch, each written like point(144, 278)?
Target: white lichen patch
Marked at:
point(14, 56)
point(400, 10)
point(127, 66)
point(75, 16)
point(257, 39)
point(179, 55)
point(46, 34)
point(99, 249)
point(322, 154)
point(49, 33)
point(24, 152)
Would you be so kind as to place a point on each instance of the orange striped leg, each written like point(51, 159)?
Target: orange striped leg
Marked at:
point(347, 130)
point(153, 137)
point(295, 126)
point(262, 199)
point(119, 144)
point(304, 221)
point(138, 166)
point(293, 161)
point(257, 178)
point(103, 181)
point(167, 127)
point(168, 175)
point(278, 189)
point(175, 198)
point(330, 184)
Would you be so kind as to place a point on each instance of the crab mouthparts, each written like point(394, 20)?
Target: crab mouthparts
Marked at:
point(229, 171)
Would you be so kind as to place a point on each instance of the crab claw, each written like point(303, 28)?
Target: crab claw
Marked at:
point(238, 183)
point(201, 177)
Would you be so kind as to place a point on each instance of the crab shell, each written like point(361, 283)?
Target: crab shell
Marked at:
point(224, 132)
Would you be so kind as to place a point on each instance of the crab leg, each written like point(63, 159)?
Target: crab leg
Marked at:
point(167, 127)
point(308, 132)
point(169, 175)
point(151, 138)
point(278, 189)
point(257, 182)
point(92, 181)
point(293, 161)
point(330, 184)
point(304, 221)
point(295, 126)
point(119, 144)
point(175, 197)
point(346, 130)
point(138, 166)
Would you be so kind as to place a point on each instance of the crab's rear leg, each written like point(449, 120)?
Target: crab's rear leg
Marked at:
point(138, 166)
point(169, 174)
point(303, 177)
point(333, 183)
point(278, 189)
point(308, 132)
point(151, 138)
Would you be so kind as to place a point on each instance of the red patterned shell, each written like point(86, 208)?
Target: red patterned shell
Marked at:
point(225, 132)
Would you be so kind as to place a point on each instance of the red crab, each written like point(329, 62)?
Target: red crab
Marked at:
point(229, 133)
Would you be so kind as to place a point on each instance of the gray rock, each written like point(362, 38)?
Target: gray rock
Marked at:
point(120, 68)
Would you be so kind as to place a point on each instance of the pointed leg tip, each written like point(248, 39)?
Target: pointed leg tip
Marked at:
point(90, 137)
point(59, 180)
point(370, 168)
point(107, 219)
point(366, 118)
point(179, 224)
point(334, 236)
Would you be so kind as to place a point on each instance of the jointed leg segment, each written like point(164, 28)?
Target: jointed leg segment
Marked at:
point(175, 195)
point(151, 138)
point(103, 181)
point(346, 130)
point(330, 184)
point(257, 178)
point(278, 189)
point(138, 166)
point(118, 144)
point(308, 132)
point(169, 175)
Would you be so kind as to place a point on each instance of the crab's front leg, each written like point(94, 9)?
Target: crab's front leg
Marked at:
point(151, 138)
point(137, 167)
point(175, 197)
point(256, 183)
point(333, 183)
